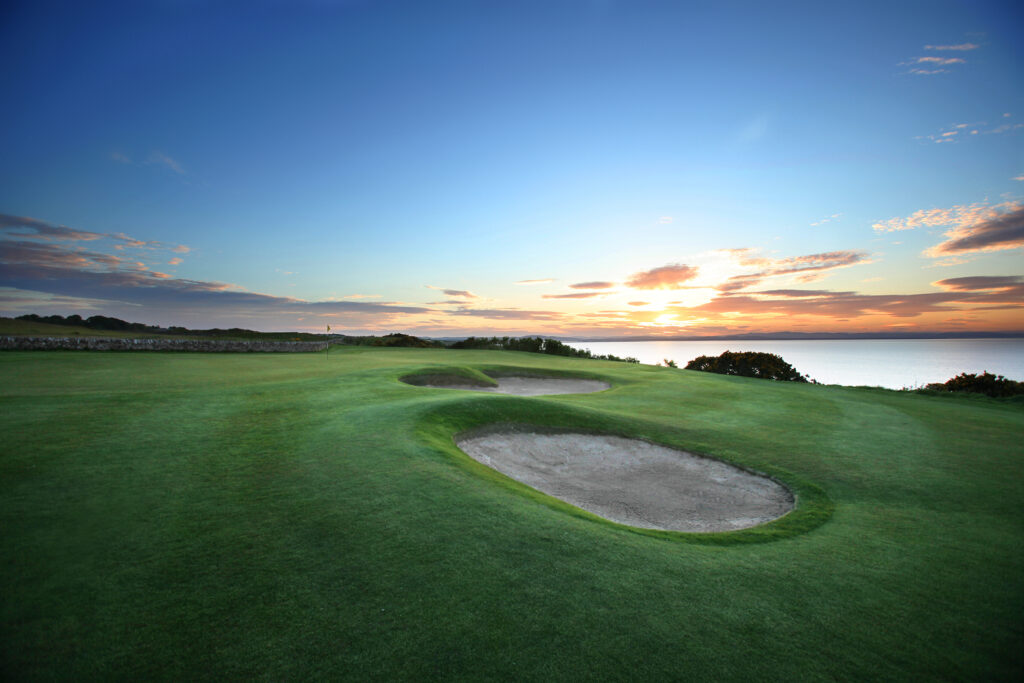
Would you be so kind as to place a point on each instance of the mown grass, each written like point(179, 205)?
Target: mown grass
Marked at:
point(298, 516)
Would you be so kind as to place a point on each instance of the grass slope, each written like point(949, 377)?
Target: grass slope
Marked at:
point(296, 516)
point(28, 328)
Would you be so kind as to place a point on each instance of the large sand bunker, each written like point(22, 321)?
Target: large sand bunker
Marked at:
point(634, 482)
point(528, 386)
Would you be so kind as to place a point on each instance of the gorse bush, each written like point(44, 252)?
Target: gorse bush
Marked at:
point(986, 383)
point(748, 364)
point(399, 339)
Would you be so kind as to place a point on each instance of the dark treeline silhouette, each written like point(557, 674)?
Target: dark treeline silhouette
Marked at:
point(748, 364)
point(393, 339)
point(102, 323)
point(986, 383)
point(552, 347)
point(96, 322)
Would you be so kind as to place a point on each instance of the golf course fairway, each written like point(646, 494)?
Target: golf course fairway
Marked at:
point(169, 516)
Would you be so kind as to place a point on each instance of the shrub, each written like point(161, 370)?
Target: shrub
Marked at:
point(748, 364)
point(399, 339)
point(986, 383)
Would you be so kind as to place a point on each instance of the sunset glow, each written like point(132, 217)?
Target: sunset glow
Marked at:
point(580, 169)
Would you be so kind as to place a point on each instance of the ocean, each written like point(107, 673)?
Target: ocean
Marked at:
point(890, 363)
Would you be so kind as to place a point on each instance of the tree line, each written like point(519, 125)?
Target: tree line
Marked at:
point(552, 347)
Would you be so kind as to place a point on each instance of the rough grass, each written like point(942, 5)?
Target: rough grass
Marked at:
point(297, 516)
point(27, 328)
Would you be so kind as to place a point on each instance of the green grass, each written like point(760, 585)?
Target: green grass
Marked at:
point(28, 328)
point(297, 516)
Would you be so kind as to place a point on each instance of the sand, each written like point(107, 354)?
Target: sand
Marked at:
point(532, 386)
point(634, 482)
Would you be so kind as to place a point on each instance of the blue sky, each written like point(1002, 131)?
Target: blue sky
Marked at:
point(722, 167)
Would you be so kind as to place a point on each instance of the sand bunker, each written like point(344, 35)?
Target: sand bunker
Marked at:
point(530, 386)
point(634, 482)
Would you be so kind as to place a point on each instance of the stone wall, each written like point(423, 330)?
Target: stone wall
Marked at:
point(116, 344)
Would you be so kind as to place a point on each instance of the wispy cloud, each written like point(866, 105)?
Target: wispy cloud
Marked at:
point(805, 268)
point(960, 47)
point(542, 281)
point(971, 228)
point(154, 158)
point(175, 261)
point(958, 215)
point(592, 285)
point(59, 270)
point(24, 227)
point(671, 276)
point(459, 293)
point(49, 255)
point(847, 305)
point(574, 295)
point(46, 262)
point(827, 219)
point(939, 61)
point(33, 228)
point(12, 299)
point(965, 131)
point(160, 159)
point(508, 314)
point(930, 65)
point(665, 220)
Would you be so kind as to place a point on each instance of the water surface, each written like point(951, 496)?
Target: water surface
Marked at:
point(890, 363)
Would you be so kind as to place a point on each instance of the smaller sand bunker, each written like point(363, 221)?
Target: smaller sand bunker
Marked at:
point(634, 482)
point(529, 386)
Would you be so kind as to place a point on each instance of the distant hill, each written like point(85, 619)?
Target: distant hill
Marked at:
point(103, 326)
point(32, 325)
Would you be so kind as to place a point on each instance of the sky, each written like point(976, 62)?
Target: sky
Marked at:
point(574, 168)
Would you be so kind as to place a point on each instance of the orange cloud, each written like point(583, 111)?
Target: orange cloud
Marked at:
point(671, 276)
